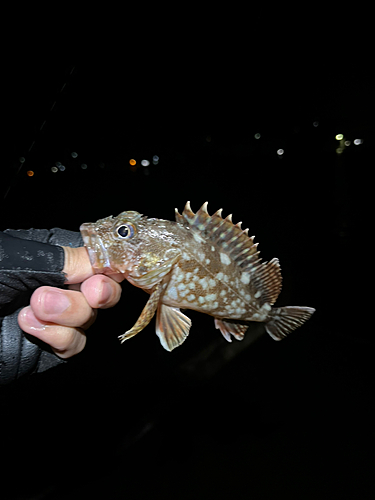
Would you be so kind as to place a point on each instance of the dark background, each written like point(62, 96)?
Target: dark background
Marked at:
point(260, 419)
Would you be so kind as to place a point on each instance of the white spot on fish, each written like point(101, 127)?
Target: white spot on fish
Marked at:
point(245, 278)
point(188, 276)
point(172, 293)
point(198, 238)
point(222, 293)
point(266, 307)
point(196, 270)
point(212, 282)
point(212, 249)
point(181, 286)
point(211, 296)
point(191, 285)
point(208, 261)
point(224, 259)
point(201, 256)
point(201, 299)
point(191, 297)
point(257, 294)
point(219, 276)
point(186, 256)
point(215, 305)
point(247, 296)
point(203, 283)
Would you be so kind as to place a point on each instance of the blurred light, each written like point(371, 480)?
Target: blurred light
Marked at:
point(280, 152)
point(30, 173)
point(358, 141)
point(146, 171)
point(145, 163)
point(101, 165)
point(74, 154)
point(58, 163)
point(257, 136)
point(339, 150)
point(208, 138)
point(54, 169)
point(155, 159)
point(22, 159)
point(84, 166)
point(347, 143)
point(132, 162)
point(339, 137)
point(315, 124)
point(62, 167)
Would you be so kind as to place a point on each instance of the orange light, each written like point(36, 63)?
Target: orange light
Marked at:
point(30, 173)
point(132, 162)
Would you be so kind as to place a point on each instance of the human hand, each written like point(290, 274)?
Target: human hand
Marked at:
point(60, 317)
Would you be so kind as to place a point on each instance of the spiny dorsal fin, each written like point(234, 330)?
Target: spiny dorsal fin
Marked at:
point(264, 278)
point(229, 237)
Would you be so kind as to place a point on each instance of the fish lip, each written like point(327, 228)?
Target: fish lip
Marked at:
point(98, 253)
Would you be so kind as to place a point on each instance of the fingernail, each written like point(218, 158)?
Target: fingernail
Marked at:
point(54, 302)
point(31, 320)
point(106, 293)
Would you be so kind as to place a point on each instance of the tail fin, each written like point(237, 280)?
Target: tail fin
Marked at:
point(286, 319)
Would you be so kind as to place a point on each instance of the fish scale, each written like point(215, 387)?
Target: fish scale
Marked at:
point(202, 262)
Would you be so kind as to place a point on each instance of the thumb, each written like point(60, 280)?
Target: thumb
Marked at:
point(77, 265)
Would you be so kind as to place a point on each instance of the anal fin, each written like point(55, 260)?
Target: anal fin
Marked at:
point(227, 329)
point(172, 326)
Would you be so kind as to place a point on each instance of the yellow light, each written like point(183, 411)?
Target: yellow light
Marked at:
point(132, 162)
point(339, 137)
point(30, 173)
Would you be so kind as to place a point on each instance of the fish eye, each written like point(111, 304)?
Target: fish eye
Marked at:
point(125, 231)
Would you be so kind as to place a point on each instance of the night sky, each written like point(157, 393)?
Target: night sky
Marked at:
point(251, 127)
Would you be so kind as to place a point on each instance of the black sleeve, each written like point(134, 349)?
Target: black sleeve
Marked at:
point(28, 259)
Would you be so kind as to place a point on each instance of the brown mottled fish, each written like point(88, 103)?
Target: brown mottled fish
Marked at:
point(201, 262)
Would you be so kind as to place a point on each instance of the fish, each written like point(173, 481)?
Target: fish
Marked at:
point(199, 261)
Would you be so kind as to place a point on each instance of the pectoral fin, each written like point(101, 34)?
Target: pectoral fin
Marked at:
point(153, 277)
point(228, 329)
point(172, 326)
point(146, 315)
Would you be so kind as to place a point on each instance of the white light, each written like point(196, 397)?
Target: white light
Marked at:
point(315, 124)
point(155, 159)
point(280, 152)
point(257, 136)
point(58, 163)
point(339, 137)
point(84, 166)
point(347, 143)
point(54, 169)
point(74, 154)
point(357, 141)
point(62, 168)
point(145, 163)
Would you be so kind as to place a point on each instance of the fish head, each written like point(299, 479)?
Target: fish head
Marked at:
point(129, 243)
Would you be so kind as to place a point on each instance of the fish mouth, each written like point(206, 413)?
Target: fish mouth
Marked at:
point(98, 253)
